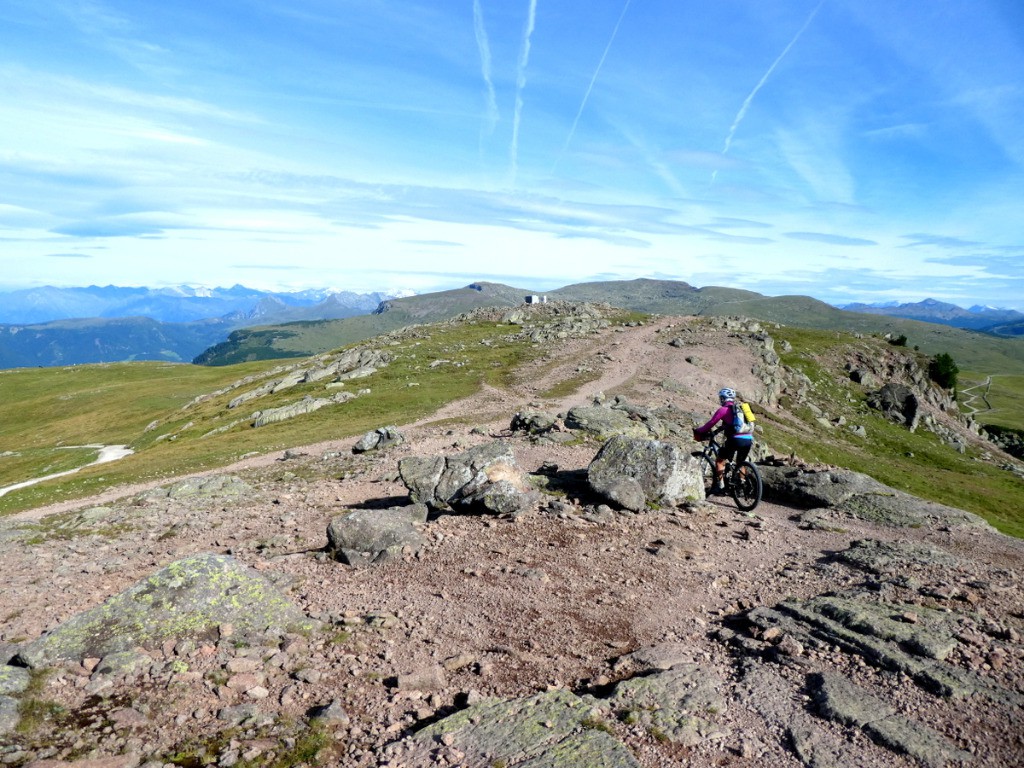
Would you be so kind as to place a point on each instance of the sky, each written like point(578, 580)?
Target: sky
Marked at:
point(850, 150)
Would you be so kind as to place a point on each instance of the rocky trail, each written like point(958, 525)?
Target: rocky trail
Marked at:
point(839, 624)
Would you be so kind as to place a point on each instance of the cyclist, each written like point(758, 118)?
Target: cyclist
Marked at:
point(735, 445)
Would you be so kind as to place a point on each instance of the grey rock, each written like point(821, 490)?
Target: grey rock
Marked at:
point(840, 700)
point(331, 713)
point(533, 422)
point(121, 664)
point(430, 678)
point(213, 487)
point(680, 703)
point(302, 407)
point(893, 557)
point(817, 489)
point(13, 680)
point(485, 479)
point(379, 439)
point(9, 716)
point(898, 402)
point(603, 423)
point(548, 730)
point(188, 598)
point(636, 472)
point(852, 494)
point(366, 536)
point(866, 628)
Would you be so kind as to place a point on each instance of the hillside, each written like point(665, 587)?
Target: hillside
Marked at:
point(97, 340)
point(843, 622)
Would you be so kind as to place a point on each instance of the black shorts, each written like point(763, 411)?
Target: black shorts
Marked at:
point(735, 447)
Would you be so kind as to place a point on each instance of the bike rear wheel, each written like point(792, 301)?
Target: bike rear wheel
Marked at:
point(746, 486)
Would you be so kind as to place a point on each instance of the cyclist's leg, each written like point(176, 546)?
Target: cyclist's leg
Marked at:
point(725, 454)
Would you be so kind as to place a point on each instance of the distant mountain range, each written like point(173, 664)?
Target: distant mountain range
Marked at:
point(181, 304)
point(228, 325)
point(1003, 322)
point(68, 326)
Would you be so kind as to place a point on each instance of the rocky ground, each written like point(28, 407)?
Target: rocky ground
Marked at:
point(868, 630)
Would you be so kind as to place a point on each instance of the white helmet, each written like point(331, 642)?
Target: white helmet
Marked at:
point(725, 394)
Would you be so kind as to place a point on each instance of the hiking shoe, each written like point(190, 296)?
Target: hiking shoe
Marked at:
point(717, 490)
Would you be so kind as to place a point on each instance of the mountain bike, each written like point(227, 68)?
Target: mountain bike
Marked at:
point(742, 481)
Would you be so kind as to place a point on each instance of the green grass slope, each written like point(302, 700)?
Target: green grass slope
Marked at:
point(152, 408)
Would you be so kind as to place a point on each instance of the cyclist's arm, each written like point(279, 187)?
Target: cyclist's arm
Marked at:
point(719, 415)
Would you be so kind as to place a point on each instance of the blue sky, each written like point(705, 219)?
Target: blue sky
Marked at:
point(852, 150)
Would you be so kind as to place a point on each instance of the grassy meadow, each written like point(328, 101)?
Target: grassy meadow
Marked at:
point(143, 405)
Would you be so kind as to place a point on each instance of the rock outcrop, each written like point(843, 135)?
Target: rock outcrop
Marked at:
point(190, 598)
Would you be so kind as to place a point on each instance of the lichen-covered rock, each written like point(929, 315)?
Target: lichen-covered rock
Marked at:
point(635, 472)
point(548, 730)
point(366, 536)
point(604, 423)
point(679, 703)
point(189, 598)
point(13, 679)
point(214, 487)
point(856, 495)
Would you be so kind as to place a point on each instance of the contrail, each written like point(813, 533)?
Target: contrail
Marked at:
point(746, 102)
point(593, 79)
point(524, 58)
point(485, 64)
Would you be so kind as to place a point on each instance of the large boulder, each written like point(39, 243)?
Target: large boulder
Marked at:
point(482, 479)
point(368, 536)
point(190, 598)
point(634, 473)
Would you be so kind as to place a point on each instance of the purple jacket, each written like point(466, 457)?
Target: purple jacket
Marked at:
point(724, 415)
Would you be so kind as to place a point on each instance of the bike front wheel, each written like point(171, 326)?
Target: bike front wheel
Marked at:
point(707, 471)
point(746, 486)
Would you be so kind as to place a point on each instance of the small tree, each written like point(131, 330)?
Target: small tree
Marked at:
point(943, 370)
